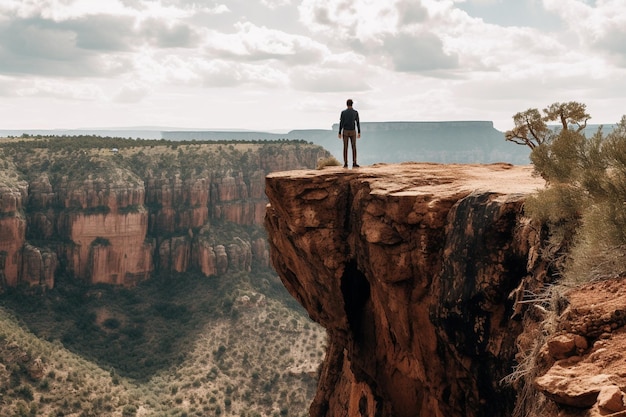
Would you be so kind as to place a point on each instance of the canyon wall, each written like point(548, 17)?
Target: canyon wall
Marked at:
point(413, 271)
point(118, 217)
point(13, 193)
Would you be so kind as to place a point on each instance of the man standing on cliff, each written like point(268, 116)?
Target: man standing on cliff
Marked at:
point(349, 125)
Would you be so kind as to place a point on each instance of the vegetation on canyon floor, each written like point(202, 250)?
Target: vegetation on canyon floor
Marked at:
point(177, 345)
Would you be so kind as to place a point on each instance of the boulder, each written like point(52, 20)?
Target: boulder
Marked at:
point(611, 399)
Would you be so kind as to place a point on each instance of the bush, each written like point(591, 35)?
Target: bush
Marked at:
point(583, 205)
point(44, 385)
point(25, 392)
point(111, 323)
point(129, 411)
point(327, 162)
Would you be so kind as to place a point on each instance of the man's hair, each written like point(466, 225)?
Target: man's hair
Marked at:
point(349, 102)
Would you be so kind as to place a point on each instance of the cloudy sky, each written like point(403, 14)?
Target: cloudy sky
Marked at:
point(291, 64)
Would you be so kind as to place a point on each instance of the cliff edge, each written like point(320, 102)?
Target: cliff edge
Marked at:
point(409, 267)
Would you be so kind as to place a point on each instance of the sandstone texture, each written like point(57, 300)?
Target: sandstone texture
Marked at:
point(413, 270)
point(118, 218)
point(586, 374)
point(12, 232)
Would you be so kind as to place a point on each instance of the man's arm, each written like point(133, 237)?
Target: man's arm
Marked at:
point(340, 125)
point(358, 124)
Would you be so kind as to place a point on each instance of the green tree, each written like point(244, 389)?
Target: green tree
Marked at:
point(531, 128)
point(583, 204)
point(568, 114)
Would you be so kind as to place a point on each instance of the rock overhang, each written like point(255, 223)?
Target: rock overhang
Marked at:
point(407, 263)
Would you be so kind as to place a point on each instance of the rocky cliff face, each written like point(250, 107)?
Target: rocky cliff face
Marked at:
point(12, 225)
point(409, 267)
point(117, 218)
point(580, 364)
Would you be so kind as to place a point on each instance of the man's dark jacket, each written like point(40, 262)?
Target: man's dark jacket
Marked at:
point(349, 120)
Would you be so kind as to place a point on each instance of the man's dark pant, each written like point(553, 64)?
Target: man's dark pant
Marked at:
point(349, 134)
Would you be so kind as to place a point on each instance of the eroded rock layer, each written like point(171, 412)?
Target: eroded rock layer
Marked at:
point(581, 364)
point(409, 267)
point(116, 218)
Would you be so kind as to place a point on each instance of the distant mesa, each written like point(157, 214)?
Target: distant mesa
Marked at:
point(472, 141)
point(392, 142)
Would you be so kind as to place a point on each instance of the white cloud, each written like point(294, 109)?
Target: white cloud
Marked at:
point(252, 43)
point(131, 93)
point(169, 35)
point(273, 4)
point(221, 73)
point(399, 59)
point(218, 9)
point(410, 12)
point(358, 19)
point(348, 79)
point(39, 46)
point(402, 33)
point(170, 69)
point(58, 10)
point(41, 87)
point(487, 47)
point(421, 52)
point(600, 26)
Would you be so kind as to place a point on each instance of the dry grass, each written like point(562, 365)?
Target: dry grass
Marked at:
point(330, 161)
point(540, 322)
point(260, 361)
point(192, 350)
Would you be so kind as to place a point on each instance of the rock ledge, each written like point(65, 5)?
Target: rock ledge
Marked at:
point(409, 267)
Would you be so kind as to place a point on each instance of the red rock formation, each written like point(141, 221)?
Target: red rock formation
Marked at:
point(260, 252)
point(409, 268)
point(13, 195)
point(109, 248)
point(205, 257)
point(125, 191)
point(239, 200)
point(182, 204)
point(112, 226)
point(582, 365)
point(38, 266)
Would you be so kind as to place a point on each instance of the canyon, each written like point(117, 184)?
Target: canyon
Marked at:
point(432, 286)
point(432, 283)
point(117, 216)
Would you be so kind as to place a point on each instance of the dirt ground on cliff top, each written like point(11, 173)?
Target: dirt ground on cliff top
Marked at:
point(437, 178)
point(511, 178)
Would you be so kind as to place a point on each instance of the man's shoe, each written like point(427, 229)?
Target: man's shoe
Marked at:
point(355, 166)
point(345, 165)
